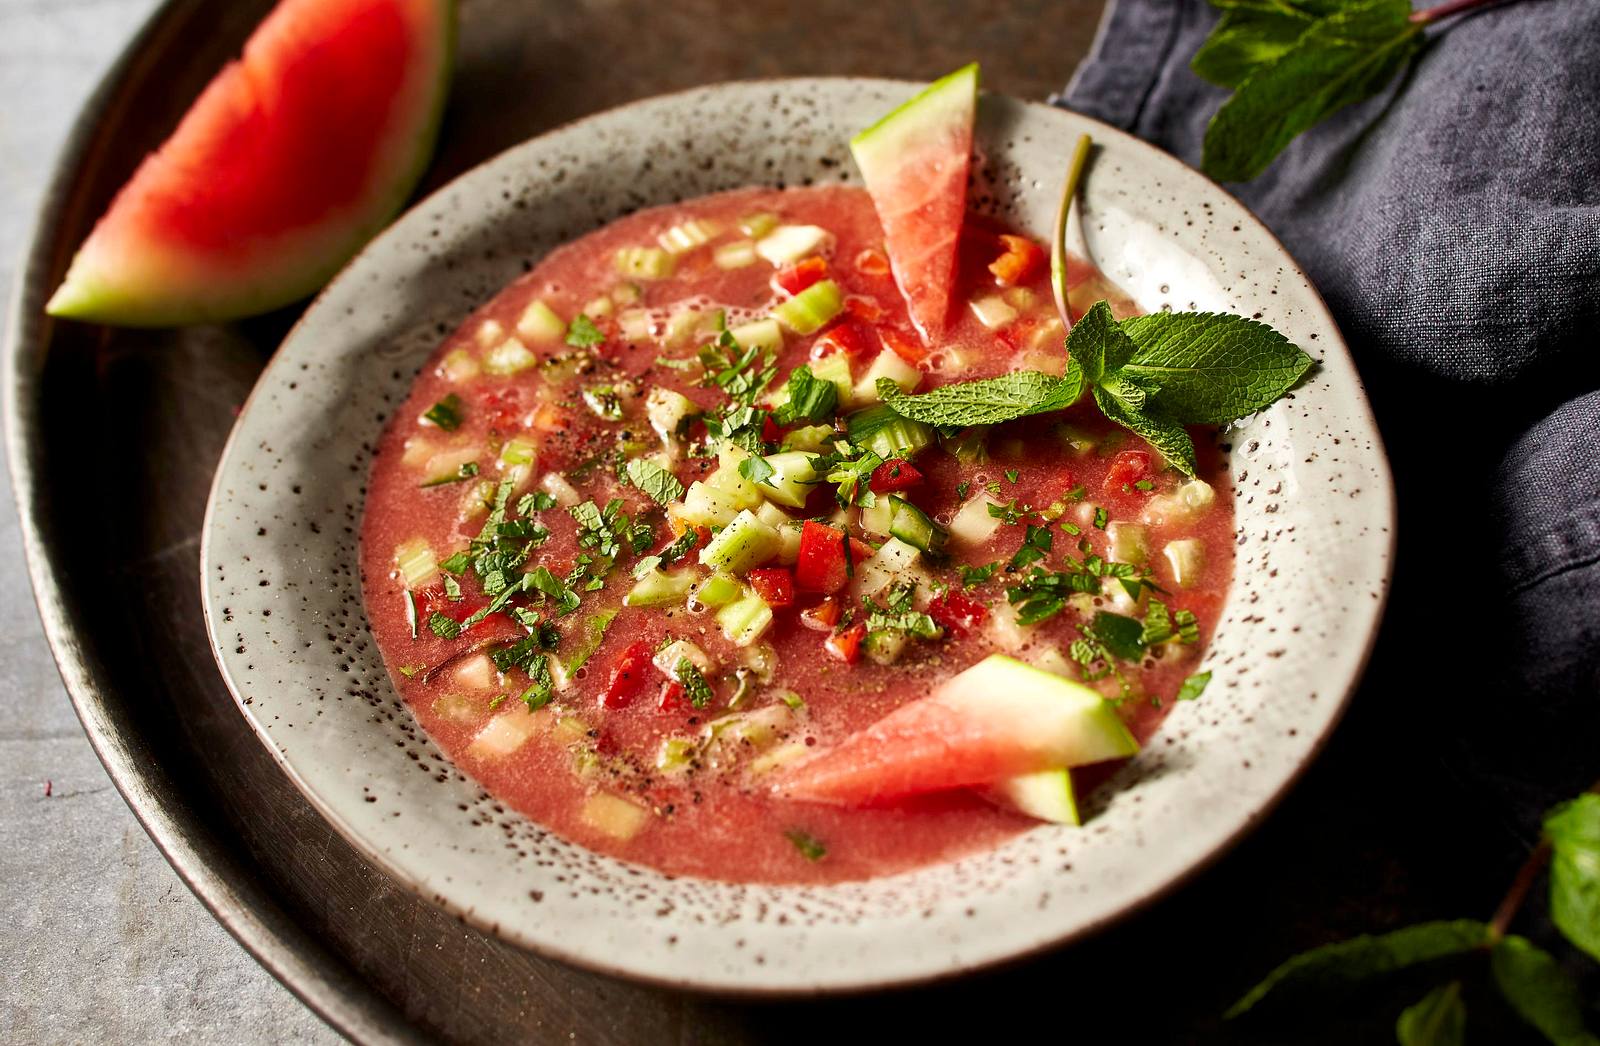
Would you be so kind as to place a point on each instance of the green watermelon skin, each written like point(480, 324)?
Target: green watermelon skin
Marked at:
point(294, 156)
point(915, 163)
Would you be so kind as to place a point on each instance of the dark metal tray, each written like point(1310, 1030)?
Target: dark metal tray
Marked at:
point(113, 437)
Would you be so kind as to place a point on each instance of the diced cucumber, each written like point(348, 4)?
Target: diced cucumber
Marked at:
point(570, 730)
point(789, 243)
point(745, 620)
point(884, 646)
point(505, 733)
point(972, 525)
point(756, 226)
point(811, 309)
point(1051, 659)
point(539, 322)
point(1020, 298)
point(789, 542)
point(758, 729)
point(676, 755)
point(635, 325)
point(894, 561)
point(416, 563)
point(969, 446)
point(660, 588)
point(489, 332)
point(445, 466)
point(1007, 632)
point(601, 306)
point(718, 590)
point(993, 311)
point(692, 325)
point(835, 368)
point(1187, 558)
point(735, 255)
point(508, 357)
point(781, 756)
point(766, 334)
point(673, 654)
point(518, 451)
point(705, 506)
point(681, 239)
point(730, 483)
point(556, 485)
point(458, 366)
point(809, 438)
point(667, 411)
point(1075, 440)
point(887, 434)
point(645, 263)
point(887, 364)
point(877, 518)
point(791, 480)
point(614, 816)
point(1197, 495)
point(1126, 543)
point(744, 543)
point(914, 526)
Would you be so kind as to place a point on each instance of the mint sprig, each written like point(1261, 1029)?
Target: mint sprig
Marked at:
point(1573, 830)
point(1440, 1019)
point(1152, 375)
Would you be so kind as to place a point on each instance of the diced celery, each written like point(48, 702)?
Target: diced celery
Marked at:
point(809, 438)
point(660, 588)
point(758, 225)
point(556, 485)
point(458, 366)
point(894, 561)
point(811, 309)
point(1187, 558)
point(518, 451)
point(914, 526)
point(876, 519)
point(458, 708)
point(789, 243)
point(1126, 543)
point(888, 364)
point(1196, 495)
point(676, 755)
point(612, 815)
point(445, 466)
point(645, 263)
point(508, 357)
point(884, 647)
point(539, 322)
point(505, 733)
point(745, 620)
point(993, 311)
point(416, 562)
point(780, 756)
point(718, 590)
point(678, 651)
point(475, 673)
point(791, 480)
point(634, 325)
point(834, 368)
point(680, 239)
point(972, 525)
point(667, 411)
point(765, 334)
point(693, 325)
point(744, 543)
point(735, 255)
point(705, 506)
point(887, 434)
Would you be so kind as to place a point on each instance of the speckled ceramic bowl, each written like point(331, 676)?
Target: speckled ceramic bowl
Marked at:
point(282, 596)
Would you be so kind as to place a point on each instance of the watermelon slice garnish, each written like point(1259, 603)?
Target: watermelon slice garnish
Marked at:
point(914, 162)
point(293, 157)
point(996, 721)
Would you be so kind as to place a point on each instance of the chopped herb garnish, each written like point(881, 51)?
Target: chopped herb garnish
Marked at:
point(446, 413)
point(1118, 633)
point(411, 612)
point(1075, 494)
point(662, 486)
point(849, 469)
point(583, 334)
point(456, 564)
point(552, 588)
point(1010, 513)
point(443, 627)
point(961, 490)
point(1011, 475)
point(694, 684)
point(972, 577)
point(896, 615)
point(810, 846)
point(1072, 528)
point(1143, 484)
point(811, 399)
point(464, 472)
point(1035, 546)
point(410, 671)
point(452, 588)
point(1101, 517)
point(756, 469)
point(604, 402)
point(538, 501)
point(1194, 686)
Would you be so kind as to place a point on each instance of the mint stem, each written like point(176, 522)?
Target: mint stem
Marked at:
point(1512, 902)
point(1451, 7)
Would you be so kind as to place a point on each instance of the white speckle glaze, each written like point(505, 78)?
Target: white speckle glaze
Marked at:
point(1315, 517)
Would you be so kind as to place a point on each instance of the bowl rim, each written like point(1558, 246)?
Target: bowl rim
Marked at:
point(1333, 346)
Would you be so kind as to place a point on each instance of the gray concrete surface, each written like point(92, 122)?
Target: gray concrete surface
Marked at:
point(99, 939)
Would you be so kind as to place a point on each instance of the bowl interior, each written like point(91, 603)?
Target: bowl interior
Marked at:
point(282, 591)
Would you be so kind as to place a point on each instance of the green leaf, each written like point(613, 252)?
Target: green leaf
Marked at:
point(1211, 368)
point(1440, 1019)
point(1574, 833)
point(1363, 958)
point(988, 401)
point(1540, 991)
point(1245, 41)
point(1342, 59)
point(1098, 344)
point(1120, 634)
point(811, 398)
point(582, 333)
point(662, 486)
point(1194, 686)
point(756, 469)
point(1167, 436)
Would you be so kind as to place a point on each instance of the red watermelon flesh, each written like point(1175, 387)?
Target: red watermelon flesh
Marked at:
point(293, 157)
point(997, 720)
point(914, 162)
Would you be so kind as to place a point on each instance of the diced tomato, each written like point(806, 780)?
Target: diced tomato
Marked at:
point(504, 408)
point(775, 585)
point(551, 418)
point(822, 617)
point(850, 337)
point(822, 566)
point(1128, 467)
point(792, 279)
point(629, 674)
point(845, 645)
point(672, 698)
point(908, 347)
point(702, 534)
point(863, 308)
point(872, 262)
point(892, 476)
point(771, 431)
point(957, 612)
point(1021, 259)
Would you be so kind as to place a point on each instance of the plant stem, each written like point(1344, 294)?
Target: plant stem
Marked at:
point(1451, 7)
point(1511, 903)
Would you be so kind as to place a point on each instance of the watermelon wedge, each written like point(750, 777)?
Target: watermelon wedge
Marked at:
point(997, 720)
point(293, 157)
point(914, 162)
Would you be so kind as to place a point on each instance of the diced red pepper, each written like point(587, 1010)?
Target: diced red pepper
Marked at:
point(872, 262)
point(957, 612)
point(792, 279)
point(1128, 467)
point(551, 418)
point(845, 645)
point(892, 476)
point(822, 617)
point(629, 674)
point(822, 566)
point(907, 347)
point(850, 337)
point(672, 698)
point(1021, 259)
point(504, 408)
point(775, 585)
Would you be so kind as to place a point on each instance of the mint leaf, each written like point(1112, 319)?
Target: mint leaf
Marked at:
point(1440, 1019)
point(1365, 957)
point(987, 401)
point(1164, 434)
point(1098, 345)
point(582, 333)
point(1540, 991)
point(810, 398)
point(1194, 686)
point(662, 486)
point(1574, 833)
point(1342, 59)
point(756, 469)
point(1211, 368)
point(1255, 33)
